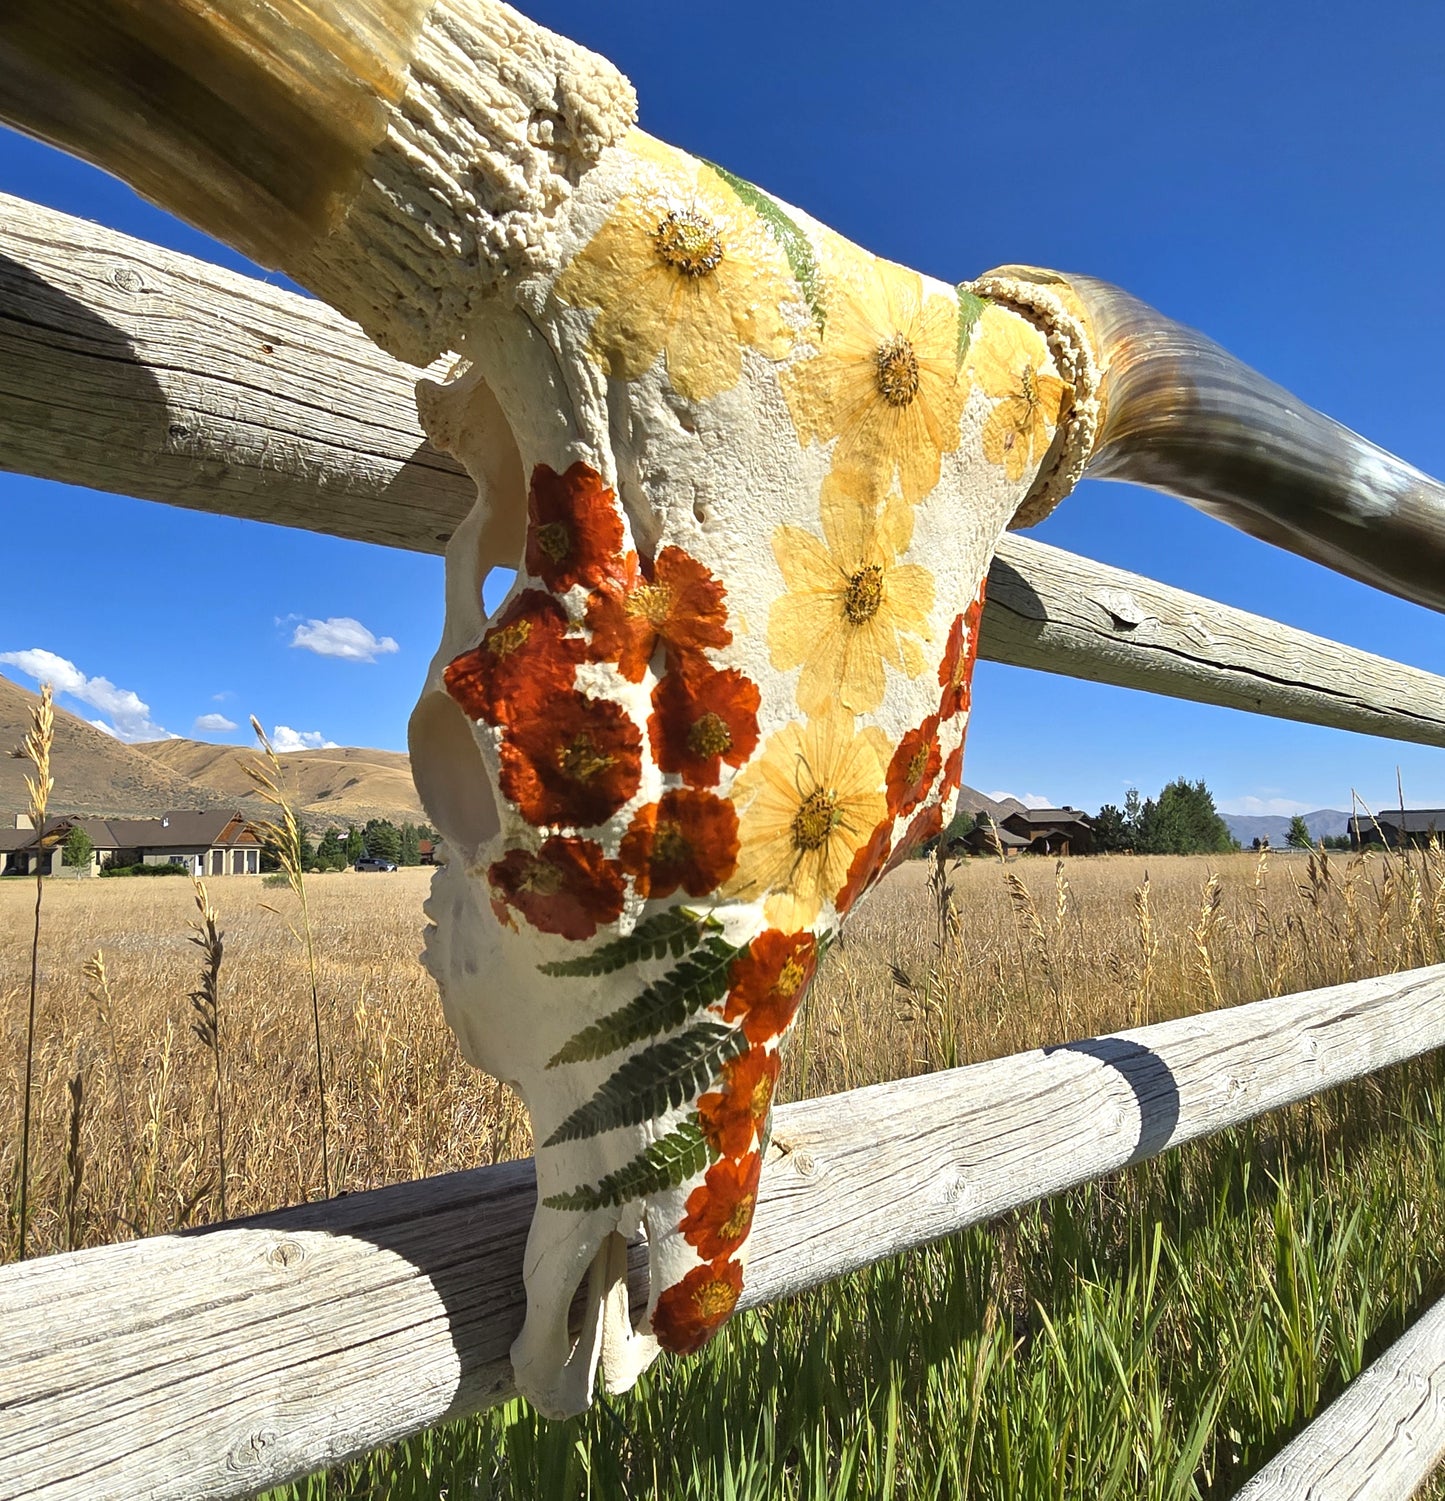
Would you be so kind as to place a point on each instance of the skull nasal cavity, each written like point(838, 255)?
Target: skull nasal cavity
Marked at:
point(896, 366)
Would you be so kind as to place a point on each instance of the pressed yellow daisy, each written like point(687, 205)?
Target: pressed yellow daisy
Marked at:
point(886, 381)
point(851, 605)
point(1008, 355)
point(814, 795)
point(681, 267)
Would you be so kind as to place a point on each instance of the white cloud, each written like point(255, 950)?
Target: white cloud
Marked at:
point(284, 738)
point(214, 724)
point(128, 718)
point(221, 697)
point(1029, 799)
point(1264, 807)
point(342, 637)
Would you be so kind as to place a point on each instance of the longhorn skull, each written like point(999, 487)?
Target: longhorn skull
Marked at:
point(751, 478)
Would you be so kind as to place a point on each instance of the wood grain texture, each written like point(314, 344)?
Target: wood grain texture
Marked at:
point(1380, 1439)
point(132, 369)
point(217, 1362)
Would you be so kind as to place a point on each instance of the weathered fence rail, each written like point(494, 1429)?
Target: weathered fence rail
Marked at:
point(147, 373)
point(141, 1365)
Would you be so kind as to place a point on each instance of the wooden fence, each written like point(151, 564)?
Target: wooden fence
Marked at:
point(133, 1369)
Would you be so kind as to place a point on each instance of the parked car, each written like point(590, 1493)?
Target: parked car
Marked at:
point(374, 862)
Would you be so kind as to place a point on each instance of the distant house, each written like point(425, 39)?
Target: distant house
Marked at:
point(988, 838)
point(430, 852)
point(1412, 826)
point(1052, 831)
point(220, 843)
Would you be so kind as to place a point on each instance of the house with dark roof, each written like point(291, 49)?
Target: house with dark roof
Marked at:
point(205, 843)
point(1410, 826)
point(988, 838)
point(1052, 831)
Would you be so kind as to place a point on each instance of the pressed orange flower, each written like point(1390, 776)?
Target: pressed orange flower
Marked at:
point(955, 672)
point(767, 983)
point(720, 1211)
point(1008, 356)
point(808, 801)
point(914, 765)
point(927, 824)
point(674, 600)
point(885, 381)
point(683, 268)
point(687, 839)
point(952, 778)
point(521, 662)
point(690, 1312)
point(576, 764)
point(851, 605)
point(574, 529)
point(868, 864)
point(732, 1119)
point(567, 887)
point(701, 718)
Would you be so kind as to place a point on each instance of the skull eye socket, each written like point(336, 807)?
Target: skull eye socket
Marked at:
point(451, 776)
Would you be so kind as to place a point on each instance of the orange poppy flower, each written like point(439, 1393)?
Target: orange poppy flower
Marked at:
point(690, 1312)
point(687, 839)
point(955, 673)
point(913, 767)
point(733, 1119)
point(720, 1211)
point(576, 764)
point(567, 887)
point(952, 774)
point(574, 529)
point(766, 985)
point(522, 662)
point(674, 600)
point(702, 717)
point(867, 866)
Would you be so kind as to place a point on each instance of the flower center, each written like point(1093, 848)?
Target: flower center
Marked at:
point(919, 764)
point(1030, 387)
point(715, 1300)
point(736, 1223)
point(688, 243)
point(815, 821)
point(761, 1099)
point(896, 370)
point(864, 594)
point(509, 638)
point(710, 736)
point(555, 539)
point(670, 846)
point(793, 974)
point(582, 760)
point(542, 879)
point(652, 602)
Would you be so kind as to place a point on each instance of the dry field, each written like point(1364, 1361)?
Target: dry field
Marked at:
point(1023, 955)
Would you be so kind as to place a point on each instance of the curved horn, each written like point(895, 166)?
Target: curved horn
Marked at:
point(1182, 415)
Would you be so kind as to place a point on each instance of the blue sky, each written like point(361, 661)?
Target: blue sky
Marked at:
point(1271, 174)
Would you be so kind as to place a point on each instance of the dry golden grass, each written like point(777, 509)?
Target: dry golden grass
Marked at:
point(1025, 955)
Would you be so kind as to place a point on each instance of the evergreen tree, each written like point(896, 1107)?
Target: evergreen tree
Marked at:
point(355, 845)
point(1183, 821)
point(410, 845)
point(307, 850)
point(1111, 830)
point(329, 853)
point(1298, 837)
point(383, 840)
point(77, 847)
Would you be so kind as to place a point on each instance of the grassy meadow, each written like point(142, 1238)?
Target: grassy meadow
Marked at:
point(1159, 1333)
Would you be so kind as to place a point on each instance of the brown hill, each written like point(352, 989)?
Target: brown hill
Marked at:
point(341, 786)
point(94, 773)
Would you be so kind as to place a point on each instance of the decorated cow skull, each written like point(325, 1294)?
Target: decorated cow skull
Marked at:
point(751, 478)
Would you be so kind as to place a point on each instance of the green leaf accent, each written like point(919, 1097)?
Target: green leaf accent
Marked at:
point(801, 260)
point(672, 932)
point(658, 1079)
point(970, 310)
point(698, 981)
point(672, 1159)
